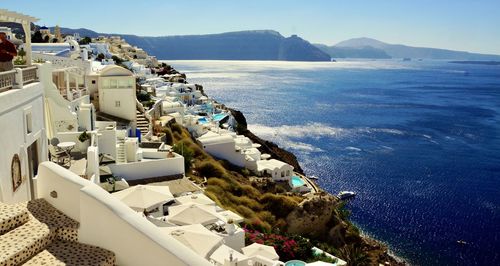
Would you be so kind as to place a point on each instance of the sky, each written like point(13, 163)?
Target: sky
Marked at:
point(468, 25)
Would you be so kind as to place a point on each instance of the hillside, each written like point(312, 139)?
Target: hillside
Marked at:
point(243, 45)
point(371, 48)
point(354, 52)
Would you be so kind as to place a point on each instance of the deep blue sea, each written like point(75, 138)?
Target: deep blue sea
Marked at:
point(418, 141)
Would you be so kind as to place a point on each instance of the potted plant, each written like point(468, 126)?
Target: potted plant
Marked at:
point(230, 227)
point(84, 139)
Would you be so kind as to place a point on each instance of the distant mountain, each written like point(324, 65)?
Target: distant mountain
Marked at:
point(371, 48)
point(354, 52)
point(243, 45)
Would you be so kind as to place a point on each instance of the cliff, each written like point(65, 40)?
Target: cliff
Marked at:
point(241, 45)
point(371, 48)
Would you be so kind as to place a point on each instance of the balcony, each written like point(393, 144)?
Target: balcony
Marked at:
point(17, 78)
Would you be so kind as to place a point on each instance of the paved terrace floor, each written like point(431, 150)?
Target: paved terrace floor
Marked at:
point(178, 186)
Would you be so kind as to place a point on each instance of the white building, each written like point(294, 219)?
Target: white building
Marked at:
point(10, 36)
point(23, 143)
point(113, 88)
point(278, 170)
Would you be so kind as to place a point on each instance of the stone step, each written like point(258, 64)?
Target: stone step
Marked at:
point(23, 242)
point(72, 253)
point(63, 226)
point(12, 216)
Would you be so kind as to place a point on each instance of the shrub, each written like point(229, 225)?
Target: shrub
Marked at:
point(288, 247)
point(245, 212)
point(210, 169)
point(169, 138)
point(267, 216)
point(250, 191)
point(176, 128)
point(218, 182)
point(245, 172)
point(280, 205)
point(186, 152)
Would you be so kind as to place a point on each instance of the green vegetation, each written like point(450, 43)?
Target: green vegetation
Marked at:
point(21, 53)
point(85, 40)
point(210, 169)
point(84, 136)
point(354, 255)
point(117, 59)
point(37, 37)
point(185, 151)
point(266, 205)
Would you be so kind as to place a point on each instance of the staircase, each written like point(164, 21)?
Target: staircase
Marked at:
point(120, 151)
point(36, 233)
point(142, 123)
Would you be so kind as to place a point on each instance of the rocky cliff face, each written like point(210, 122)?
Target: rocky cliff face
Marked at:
point(317, 218)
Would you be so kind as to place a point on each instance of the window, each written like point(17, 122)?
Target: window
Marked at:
point(93, 81)
point(282, 174)
point(123, 83)
point(105, 84)
point(117, 103)
point(29, 122)
point(113, 84)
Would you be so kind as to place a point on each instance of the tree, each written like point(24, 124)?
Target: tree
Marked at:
point(37, 37)
point(85, 40)
point(117, 59)
point(100, 57)
point(21, 53)
point(46, 39)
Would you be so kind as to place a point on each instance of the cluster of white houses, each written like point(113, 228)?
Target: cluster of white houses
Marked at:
point(83, 114)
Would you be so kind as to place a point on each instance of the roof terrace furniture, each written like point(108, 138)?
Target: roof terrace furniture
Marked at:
point(58, 156)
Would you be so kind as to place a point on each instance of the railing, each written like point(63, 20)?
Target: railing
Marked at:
point(7, 80)
point(17, 77)
point(30, 74)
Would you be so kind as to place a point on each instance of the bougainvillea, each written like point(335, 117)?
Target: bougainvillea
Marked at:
point(287, 247)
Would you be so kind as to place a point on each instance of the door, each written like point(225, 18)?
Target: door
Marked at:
point(33, 161)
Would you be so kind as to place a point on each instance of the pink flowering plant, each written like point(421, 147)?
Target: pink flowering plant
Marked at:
point(287, 247)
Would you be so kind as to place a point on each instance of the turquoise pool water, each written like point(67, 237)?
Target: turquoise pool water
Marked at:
point(203, 120)
point(297, 181)
point(219, 117)
point(295, 263)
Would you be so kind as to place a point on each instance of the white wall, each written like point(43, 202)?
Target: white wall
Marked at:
point(66, 184)
point(226, 151)
point(109, 96)
point(108, 223)
point(107, 142)
point(149, 168)
point(73, 137)
point(14, 139)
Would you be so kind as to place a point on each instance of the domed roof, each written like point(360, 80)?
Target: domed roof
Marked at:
point(44, 28)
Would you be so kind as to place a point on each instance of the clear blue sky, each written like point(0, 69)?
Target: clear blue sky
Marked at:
point(471, 25)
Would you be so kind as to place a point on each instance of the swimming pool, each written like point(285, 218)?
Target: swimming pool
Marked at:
point(203, 120)
point(295, 263)
point(297, 181)
point(219, 117)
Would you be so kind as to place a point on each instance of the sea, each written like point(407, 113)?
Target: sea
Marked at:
point(418, 141)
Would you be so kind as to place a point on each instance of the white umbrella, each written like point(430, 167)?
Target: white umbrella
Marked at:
point(224, 253)
point(196, 237)
point(142, 197)
point(195, 198)
point(192, 214)
point(229, 215)
point(262, 250)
